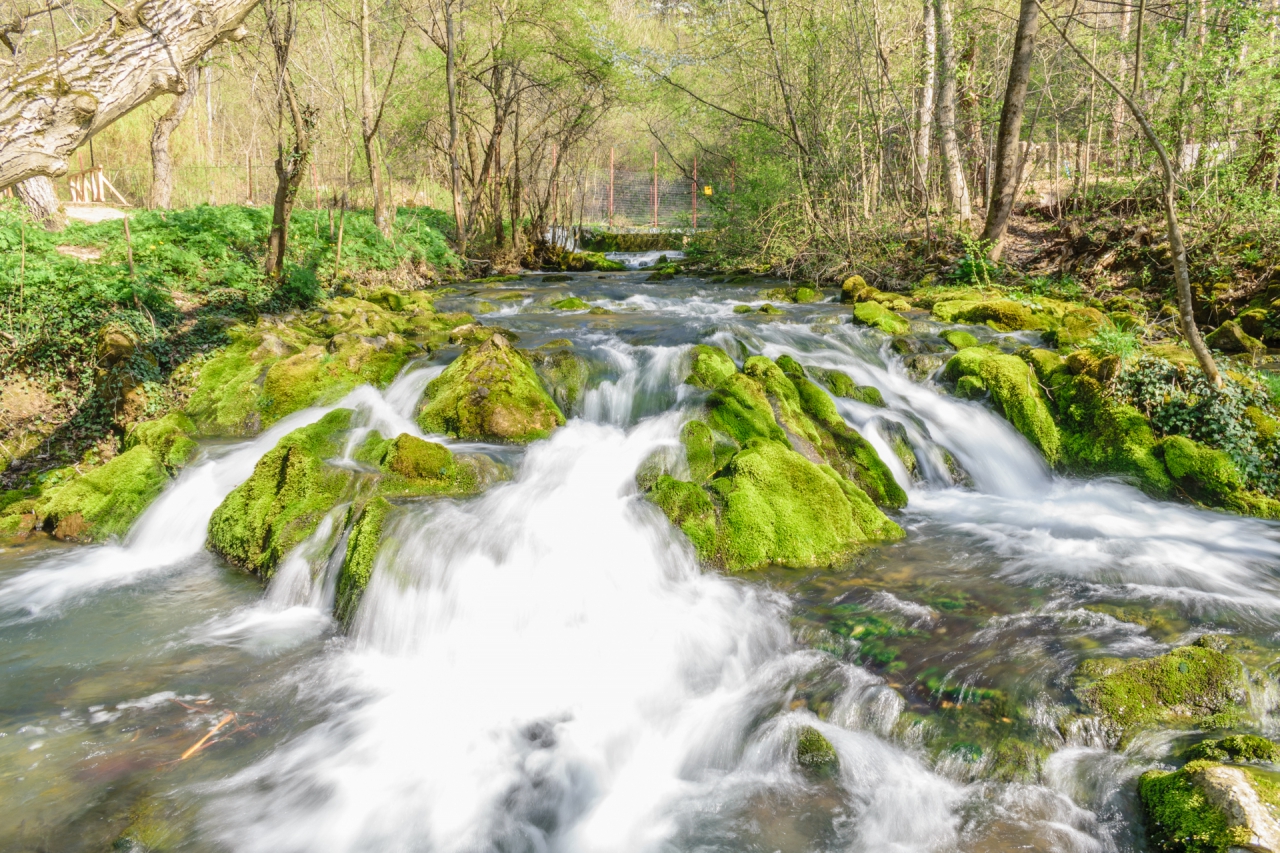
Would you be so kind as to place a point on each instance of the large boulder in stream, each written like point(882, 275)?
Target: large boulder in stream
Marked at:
point(492, 393)
point(1206, 806)
point(772, 473)
point(1196, 685)
point(104, 501)
point(1014, 388)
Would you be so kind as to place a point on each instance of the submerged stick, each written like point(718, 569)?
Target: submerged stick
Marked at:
point(213, 731)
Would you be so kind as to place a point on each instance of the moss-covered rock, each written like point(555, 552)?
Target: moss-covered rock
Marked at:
point(856, 289)
point(1208, 808)
point(879, 317)
point(564, 374)
point(1191, 685)
point(689, 507)
point(815, 754)
point(1003, 315)
point(1230, 338)
point(570, 303)
point(842, 386)
point(959, 339)
point(1016, 391)
point(414, 467)
point(106, 500)
point(490, 392)
point(357, 562)
point(290, 491)
point(1239, 748)
point(169, 438)
point(1204, 473)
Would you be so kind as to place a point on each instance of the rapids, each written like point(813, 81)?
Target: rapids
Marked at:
point(545, 667)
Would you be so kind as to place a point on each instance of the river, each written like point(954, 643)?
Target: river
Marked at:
point(545, 667)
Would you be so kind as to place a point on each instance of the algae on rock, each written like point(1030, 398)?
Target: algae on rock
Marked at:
point(1015, 389)
point(105, 501)
point(490, 392)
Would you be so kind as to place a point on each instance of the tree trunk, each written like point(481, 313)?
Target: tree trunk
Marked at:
point(1169, 198)
point(161, 195)
point(952, 162)
point(369, 125)
point(1117, 110)
point(41, 200)
point(924, 115)
point(291, 168)
point(49, 108)
point(1004, 180)
point(455, 169)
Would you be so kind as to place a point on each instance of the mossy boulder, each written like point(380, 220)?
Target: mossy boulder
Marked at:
point(879, 317)
point(1015, 389)
point(570, 303)
point(1202, 472)
point(290, 491)
point(414, 467)
point(856, 289)
point(959, 339)
point(357, 562)
point(490, 392)
point(564, 374)
point(169, 438)
point(815, 754)
point(1208, 808)
point(106, 500)
point(1192, 685)
point(1238, 748)
point(1076, 325)
point(842, 386)
point(1003, 315)
point(1230, 338)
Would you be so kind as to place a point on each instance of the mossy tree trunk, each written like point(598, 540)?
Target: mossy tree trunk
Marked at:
point(161, 195)
point(48, 108)
point(1169, 198)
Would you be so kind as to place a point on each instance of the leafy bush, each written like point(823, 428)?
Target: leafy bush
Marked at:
point(974, 268)
point(1109, 340)
point(1179, 400)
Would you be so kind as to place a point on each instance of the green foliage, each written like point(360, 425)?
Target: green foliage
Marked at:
point(974, 268)
point(1112, 341)
point(1179, 400)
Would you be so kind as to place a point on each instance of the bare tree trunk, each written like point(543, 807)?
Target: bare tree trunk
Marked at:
point(49, 108)
point(1181, 272)
point(369, 121)
point(952, 162)
point(41, 199)
point(161, 195)
point(924, 115)
point(455, 169)
point(1117, 110)
point(1005, 174)
point(290, 167)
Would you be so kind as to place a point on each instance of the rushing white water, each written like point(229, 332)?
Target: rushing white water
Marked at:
point(638, 260)
point(172, 530)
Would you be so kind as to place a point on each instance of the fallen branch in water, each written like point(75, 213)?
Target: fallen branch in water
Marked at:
point(200, 743)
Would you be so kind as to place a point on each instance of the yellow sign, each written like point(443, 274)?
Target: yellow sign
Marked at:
point(706, 190)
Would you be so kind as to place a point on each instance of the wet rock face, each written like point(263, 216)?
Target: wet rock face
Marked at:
point(492, 393)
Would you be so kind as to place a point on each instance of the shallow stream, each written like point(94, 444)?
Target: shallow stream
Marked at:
point(546, 668)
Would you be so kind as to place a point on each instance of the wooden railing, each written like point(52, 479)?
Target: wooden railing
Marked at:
point(91, 185)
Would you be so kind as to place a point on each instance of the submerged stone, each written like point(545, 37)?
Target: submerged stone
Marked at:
point(490, 392)
point(815, 754)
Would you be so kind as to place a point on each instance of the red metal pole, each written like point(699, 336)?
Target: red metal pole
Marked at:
point(611, 187)
point(695, 192)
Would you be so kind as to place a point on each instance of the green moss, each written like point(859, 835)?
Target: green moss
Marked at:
point(877, 316)
point(417, 467)
point(699, 450)
point(1236, 748)
point(571, 303)
point(1180, 818)
point(806, 294)
point(287, 495)
point(778, 507)
point(490, 392)
point(357, 562)
point(815, 753)
point(1189, 684)
point(1044, 362)
point(688, 507)
point(168, 437)
point(224, 399)
point(1016, 391)
point(971, 388)
point(1102, 436)
point(310, 378)
point(1230, 338)
point(106, 500)
point(959, 339)
point(1203, 472)
point(1003, 315)
point(565, 375)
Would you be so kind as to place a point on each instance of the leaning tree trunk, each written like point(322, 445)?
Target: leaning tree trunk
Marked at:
point(1004, 179)
point(161, 195)
point(924, 117)
point(1169, 198)
point(952, 163)
point(49, 108)
point(41, 199)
